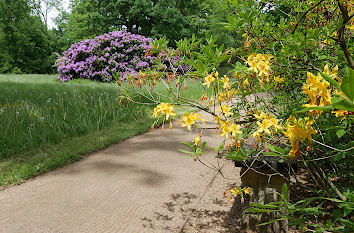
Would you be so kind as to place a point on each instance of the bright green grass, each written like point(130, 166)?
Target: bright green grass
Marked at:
point(45, 124)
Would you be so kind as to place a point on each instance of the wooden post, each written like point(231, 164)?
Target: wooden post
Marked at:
point(266, 190)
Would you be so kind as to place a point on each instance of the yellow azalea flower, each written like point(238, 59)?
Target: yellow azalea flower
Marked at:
point(225, 81)
point(235, 129)
point(333, 74)
point(208, 80)
point(253, 66)
point(234, 192)
point(351, 27)
point(264, 126)
point(318, 90)
point(341, 113)
point(259, 57)
point(231, 93)
point(261, 116)
point(197, 140)
point(246, 83)
point(247, 190)
point(259, 64)
point(263, 69)
point(274, 122)
point(220, 97)
point(157, 112)
point(225, 128)
point(297, 130)
point(278, 80)
point(225, 109)
point(189, 119)
point(168, 110)
point(256, 134)
point(164, 108)
point(236, 143)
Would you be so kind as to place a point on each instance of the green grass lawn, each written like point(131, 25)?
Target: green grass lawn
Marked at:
point(46, 124)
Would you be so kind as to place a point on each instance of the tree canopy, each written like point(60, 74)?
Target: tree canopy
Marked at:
point(155, 18)
point(24, 42)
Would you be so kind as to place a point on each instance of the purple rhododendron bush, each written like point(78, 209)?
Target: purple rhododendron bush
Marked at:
point(117, 53)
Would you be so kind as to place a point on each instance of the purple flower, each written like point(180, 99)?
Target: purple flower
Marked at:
point(97, 59)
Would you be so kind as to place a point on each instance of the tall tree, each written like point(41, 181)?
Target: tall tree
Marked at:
point(155, 18)
point(43, 7)
point(24, 44)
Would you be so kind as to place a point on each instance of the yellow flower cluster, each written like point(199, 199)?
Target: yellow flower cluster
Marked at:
point(333, 74)
point(226, 82)
point(164, 108)
point(260, 64)
point(297, 131)
point(227, 128)
point(189, 119)
point(226, 110)
point(197, 140)
point(318, 90)
point(278, 80)
point(234, 192)
point(341, 113)
point(266, 121)
point(210, 78)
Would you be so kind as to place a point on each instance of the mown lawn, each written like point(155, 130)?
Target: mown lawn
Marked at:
point(46, 124)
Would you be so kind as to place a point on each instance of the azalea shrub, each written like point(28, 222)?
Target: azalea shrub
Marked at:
point(117, 53)
point(290, 94)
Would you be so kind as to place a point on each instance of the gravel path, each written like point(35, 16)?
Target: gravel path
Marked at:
point(139, 185)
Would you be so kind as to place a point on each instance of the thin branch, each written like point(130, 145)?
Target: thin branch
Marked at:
point(341, 32)
point(322, 144)
point(302, 17)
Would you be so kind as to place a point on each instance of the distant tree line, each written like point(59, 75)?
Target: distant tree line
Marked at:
point(28, 46)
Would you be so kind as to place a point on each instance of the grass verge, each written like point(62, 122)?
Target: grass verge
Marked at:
point(46, 124)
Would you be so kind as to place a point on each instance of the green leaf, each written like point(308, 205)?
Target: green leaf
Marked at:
point(347, 223)
point(202, 146)
point(270, 154)
point(344, 105)
point(186, 152)
point(221, 146)
point(276, 149)
point(306, 202)
point(264, 206)
point(333, 199)
point(285, 193)
point(187, 144)
point(330, 80)
point(340, 133)
point(348, 84)
point(256, 210)
point(272, 221)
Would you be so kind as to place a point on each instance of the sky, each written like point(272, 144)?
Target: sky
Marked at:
point(54, 13)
